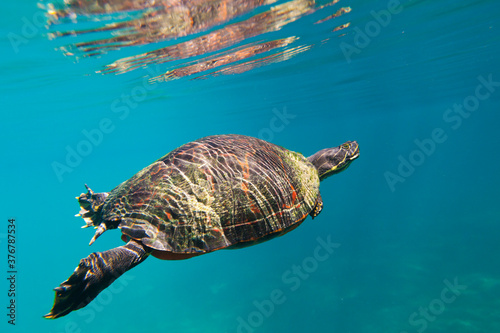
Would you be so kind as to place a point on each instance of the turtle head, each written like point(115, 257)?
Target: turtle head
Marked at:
point(330, 161)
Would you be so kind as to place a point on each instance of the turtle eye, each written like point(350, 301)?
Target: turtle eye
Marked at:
point(345, 146)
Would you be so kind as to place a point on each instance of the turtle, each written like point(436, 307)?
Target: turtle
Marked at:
point(218, 192)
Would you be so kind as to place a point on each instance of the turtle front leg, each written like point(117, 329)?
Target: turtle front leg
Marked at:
point(94, 274)
point(318, 207)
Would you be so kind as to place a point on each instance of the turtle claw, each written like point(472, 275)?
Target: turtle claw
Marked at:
point(100, 230)
point(90, 192)
point(59, 289)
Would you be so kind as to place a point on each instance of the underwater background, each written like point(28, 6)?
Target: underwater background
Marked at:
point(413, 224)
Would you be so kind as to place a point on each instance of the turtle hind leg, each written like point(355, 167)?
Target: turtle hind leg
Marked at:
point(94, 274)
point(90, 206)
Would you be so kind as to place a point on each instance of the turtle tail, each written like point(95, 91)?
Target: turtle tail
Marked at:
point(94, 274)
point(90, 210)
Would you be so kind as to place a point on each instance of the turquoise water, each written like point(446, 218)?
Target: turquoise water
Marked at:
point(414, 221)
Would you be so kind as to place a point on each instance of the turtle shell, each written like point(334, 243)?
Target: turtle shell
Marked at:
point(213, 193)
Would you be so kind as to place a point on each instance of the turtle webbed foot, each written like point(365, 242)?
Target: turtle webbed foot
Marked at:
point(94, 274)
point(80, 288)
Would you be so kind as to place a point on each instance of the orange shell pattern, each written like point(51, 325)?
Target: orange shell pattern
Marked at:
point(213, 193)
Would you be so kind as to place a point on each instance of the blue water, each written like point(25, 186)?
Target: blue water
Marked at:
point(415, 220)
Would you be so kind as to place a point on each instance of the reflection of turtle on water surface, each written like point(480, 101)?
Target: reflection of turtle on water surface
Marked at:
point(217, 30)
point(226, 191)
